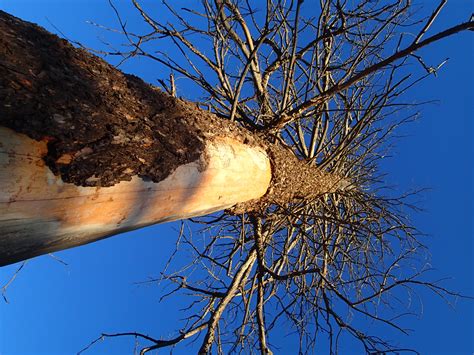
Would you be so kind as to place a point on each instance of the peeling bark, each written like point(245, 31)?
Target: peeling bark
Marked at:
point(102, 126)
point(40, 213)
point(87, 151)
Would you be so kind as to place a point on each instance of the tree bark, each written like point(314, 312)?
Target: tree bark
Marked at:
point(87, 151)
point(40, 213)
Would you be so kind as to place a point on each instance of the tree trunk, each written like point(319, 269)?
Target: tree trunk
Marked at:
point(87, 151)
point(40, 213)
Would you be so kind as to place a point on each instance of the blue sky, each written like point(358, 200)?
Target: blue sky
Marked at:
point(58, 309)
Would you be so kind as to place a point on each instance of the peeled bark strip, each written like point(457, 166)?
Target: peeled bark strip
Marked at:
point(87, 151)
point(40, 213)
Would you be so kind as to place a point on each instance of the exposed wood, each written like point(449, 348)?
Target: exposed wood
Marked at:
point(39, 213)
point(87, 151)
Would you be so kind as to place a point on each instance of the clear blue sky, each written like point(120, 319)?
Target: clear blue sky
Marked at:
point(57, 309)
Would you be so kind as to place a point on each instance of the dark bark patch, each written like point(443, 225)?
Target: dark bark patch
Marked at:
point(102, 126)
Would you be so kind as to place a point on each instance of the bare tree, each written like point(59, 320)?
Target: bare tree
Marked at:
point(325, 84)
point(88, 151)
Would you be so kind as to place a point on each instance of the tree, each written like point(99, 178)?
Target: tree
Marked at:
point(318, 256)
point(125, 155)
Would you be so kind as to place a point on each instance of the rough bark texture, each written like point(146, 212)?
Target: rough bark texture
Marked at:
point(293, 180)
point(102, 126)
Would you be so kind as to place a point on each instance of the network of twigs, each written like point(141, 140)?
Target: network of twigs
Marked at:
point(326, 79)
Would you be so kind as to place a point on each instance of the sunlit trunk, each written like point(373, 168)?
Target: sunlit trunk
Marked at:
point(87, 152)
point(40, 213)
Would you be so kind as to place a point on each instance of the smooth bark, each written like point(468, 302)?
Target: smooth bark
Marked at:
point(40, 213)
